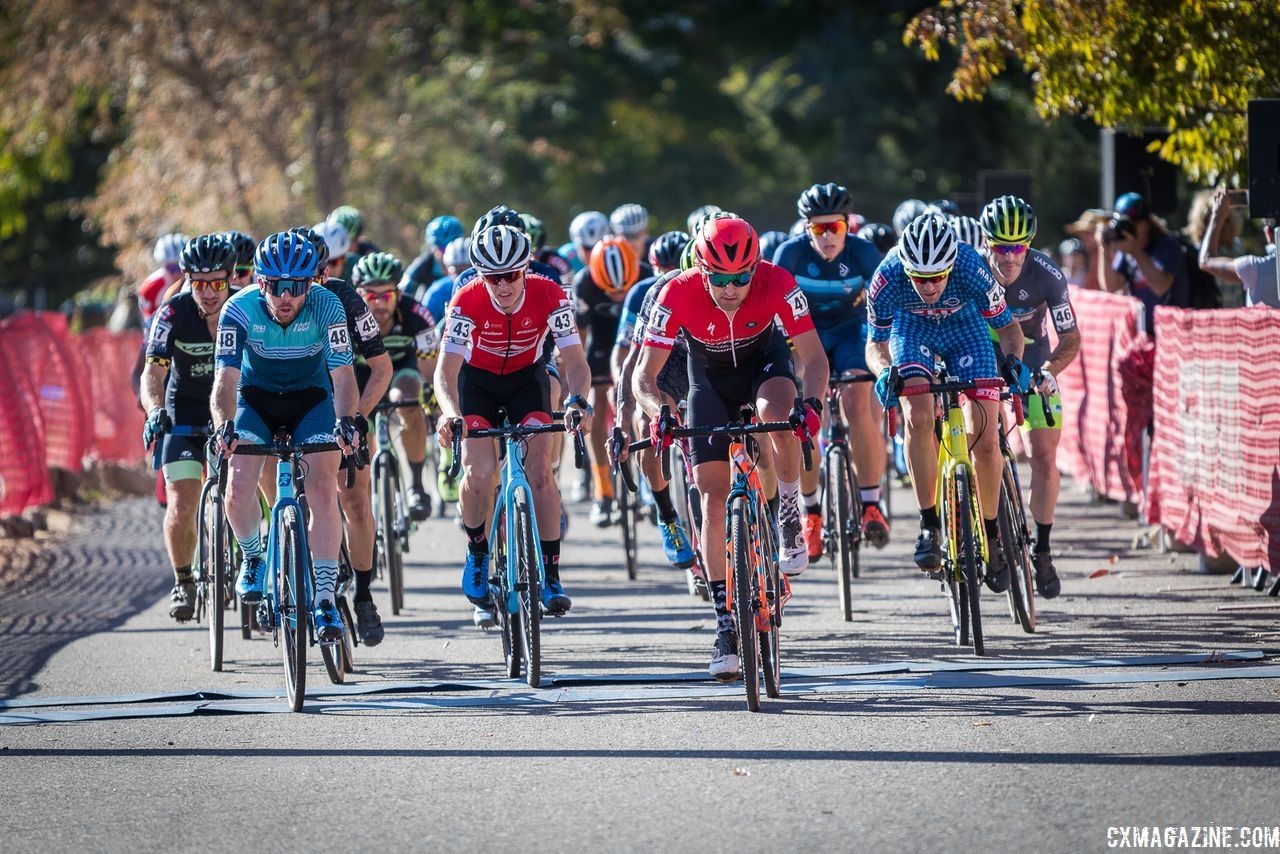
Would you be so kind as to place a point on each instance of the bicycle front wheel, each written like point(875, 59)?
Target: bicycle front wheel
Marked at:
point(388, 488)
point(1017, 550)
point(968, 556)
point(211, 585)
point(293, 605)
point(837, 520)
point(529, 584)
point(629, 516)
point(743, 568)
point(770, 642)
point(508, 620)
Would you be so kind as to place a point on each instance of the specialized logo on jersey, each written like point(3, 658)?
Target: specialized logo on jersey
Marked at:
point(878, 283)
point(227, 341)
point(799, 302)
point(562, 322)
point(458, 329)
point(1063, 317)
point(339, 339)
point(367, 326)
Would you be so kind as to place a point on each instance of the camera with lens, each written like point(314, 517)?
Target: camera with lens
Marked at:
point(1118, 228)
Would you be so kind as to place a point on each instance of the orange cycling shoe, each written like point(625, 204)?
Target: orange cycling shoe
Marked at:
point(874, 526)
point(813, 534)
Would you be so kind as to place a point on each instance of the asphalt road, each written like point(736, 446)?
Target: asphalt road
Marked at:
point(1063, 734)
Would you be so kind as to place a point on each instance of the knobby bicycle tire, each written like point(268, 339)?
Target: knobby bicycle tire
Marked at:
point(951, 577)
point(743, 567)
point(212, 527)
point(1017, 551)
point(969, 557)
point(346, 648)
point(293, 606)
point(770, 641)
point(529, 578)
point(508, 621)
point(837, 465)
point(628, 517)
point(387, 542)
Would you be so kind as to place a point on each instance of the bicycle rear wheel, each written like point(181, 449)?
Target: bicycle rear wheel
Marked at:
point(837, 520)
point(529, 585)
point(967, 554)
point(346, 648)
point(743, 568)
point(629, 517)
point(770, 641)
point(508, 621)
point(293, 605)
point(388, 487)
point(952, 586)
point(1017, 551)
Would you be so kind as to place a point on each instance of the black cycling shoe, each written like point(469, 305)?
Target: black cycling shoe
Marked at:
point(419, 505)
point(997, 579)
point(368, 623)
point(928, 550)
point(1047, 583)
point(182, 601)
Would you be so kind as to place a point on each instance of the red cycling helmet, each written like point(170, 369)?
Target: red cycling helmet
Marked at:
point(727, 245)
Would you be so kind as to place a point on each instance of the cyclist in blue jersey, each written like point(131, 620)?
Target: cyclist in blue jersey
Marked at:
point(833, 271)
point(585, 231)
point(932, 296)
point(283, 356)
point(673, 382)
point(430, 266)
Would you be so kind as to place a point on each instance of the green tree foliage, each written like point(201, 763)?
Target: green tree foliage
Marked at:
point(1189, 67)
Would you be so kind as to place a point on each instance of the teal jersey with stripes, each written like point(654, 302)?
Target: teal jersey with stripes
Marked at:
point(283, 358)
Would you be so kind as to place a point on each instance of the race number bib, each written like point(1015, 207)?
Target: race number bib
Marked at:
point(457, 330)
point(339, 339)
point(367, 326)
point(1064, 319)
point(562, 322)
point(799, 303)
point(658, 320)
point(227, 341)
point(160, 335)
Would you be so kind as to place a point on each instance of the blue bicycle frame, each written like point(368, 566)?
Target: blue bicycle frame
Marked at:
point(512, 482)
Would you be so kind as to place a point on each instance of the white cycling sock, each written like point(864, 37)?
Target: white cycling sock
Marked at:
point(326, 580)
point(867, 495)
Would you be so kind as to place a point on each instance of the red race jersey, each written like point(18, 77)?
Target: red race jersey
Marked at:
point(151, 293)
point(502, 343)
point(720, 340)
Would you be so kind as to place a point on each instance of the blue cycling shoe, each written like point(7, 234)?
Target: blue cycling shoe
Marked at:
point(475, 579)
point(554, 600)
point(252, 578)
point(328, 622)
point(676, 544)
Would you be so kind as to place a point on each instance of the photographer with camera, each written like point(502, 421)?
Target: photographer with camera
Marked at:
point(1142, 258)
point(1256, 272)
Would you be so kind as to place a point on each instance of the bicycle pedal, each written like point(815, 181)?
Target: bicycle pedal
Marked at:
point(266, 619)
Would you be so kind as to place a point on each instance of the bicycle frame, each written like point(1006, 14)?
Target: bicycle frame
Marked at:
point(513, 481)
point(287, 496)
point(386, 455)
point(953, 454)
point(746, 484)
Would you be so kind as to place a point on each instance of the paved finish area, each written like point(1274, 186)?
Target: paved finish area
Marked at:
point(1003, 759)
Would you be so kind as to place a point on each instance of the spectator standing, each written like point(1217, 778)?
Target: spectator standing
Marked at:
point(1257, 273)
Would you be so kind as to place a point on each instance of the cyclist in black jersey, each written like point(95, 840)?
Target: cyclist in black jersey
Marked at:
point(180, 345)
point(600, 288)
point(408, 333)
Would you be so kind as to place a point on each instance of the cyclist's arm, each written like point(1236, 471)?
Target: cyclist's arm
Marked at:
point(346, 393)
point(646, 378)
point(229, 343)
point(153, 376)
point(575, 374)
point(1012, 341)
point(375, 389)
point(618, 359)
point(811, 358)
point(448, 366)
point(1064, 354)
point(879, 359)
point(226, 382)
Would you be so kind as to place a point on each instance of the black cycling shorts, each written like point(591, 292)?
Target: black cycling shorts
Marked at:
point(186, 412)
point(524, 395)
point(717, 397)
point(601, 369)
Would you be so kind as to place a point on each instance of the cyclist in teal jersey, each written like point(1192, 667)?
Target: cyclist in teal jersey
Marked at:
point(283, 356)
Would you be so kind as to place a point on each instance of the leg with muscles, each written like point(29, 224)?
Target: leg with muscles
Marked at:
point(922, 462)
point(183, 495)
point(546, 503)
point(811, 499)
point(712, 480)
point(983, 422)
point(413, 437)
point(1045, 482)
point(357, 507)
point(245, 515)
point(774, 401)
point(675, 543)
point(863, 413)
point(602, 511)
point(475, 494)
point(324, 536)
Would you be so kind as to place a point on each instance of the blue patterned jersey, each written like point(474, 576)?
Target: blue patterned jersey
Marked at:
point(283, 358)
point(836, 289)
point(971, 296)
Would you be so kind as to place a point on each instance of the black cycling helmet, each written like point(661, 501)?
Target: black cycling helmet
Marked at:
point(880, 236)
point(823, 199)
point(207, 253)
point(665, 251)
point(498, 215)
point(244, 247)
point(322, 248)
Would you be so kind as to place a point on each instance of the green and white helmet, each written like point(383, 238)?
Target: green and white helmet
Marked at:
point(377, 268)
point(349, 218)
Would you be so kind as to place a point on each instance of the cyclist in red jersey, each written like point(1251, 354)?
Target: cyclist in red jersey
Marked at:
point(491, 360)
point(167, 252)
point(725, 308)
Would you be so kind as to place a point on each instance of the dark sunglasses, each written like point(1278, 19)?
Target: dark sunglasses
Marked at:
point(840, 226)
point(285, 287)
point(724, 280)
point(502, 278)
point(1009, 248)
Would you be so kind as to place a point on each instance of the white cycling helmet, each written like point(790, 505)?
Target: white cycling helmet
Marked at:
point(587, 228)
point(500, 249)
point(169, 248)
point(629, 220)
point(928, 246)
point(457, 252)
point(906, 212)
point(335, 236)
point(699, 216)
point(969, 230)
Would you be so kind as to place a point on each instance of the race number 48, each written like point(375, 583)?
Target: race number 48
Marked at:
point(226, 342)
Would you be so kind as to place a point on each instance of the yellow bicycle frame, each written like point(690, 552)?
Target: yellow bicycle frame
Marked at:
point(953, 454)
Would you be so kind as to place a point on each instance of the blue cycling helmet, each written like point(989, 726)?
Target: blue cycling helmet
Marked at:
point(286, 255)
point(443, 229)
